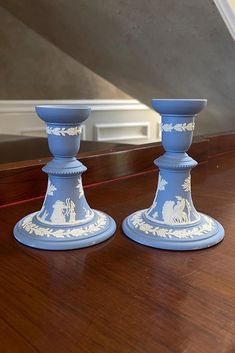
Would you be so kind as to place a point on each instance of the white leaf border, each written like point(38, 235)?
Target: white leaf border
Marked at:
point(184, 233)
point(72, 131)
point(34, 229)
point(178, 127)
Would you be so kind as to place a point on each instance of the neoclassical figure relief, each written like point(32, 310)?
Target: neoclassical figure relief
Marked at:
point(80, 187)
point(161, 186)
point(173, 211)
point(63, 212)
point(176, 212)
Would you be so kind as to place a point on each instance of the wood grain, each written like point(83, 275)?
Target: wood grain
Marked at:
point(24, 180)
point(18, 148)
point(221, 143)
point(120, 296)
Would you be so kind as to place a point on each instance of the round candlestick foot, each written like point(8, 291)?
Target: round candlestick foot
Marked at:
point(205, 233)
point(31, 232)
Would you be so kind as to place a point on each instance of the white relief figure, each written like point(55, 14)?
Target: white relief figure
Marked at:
point(50, 188)
point(161, 186)
point(63, 212)
point(71, 210)
point(59, 212)
point(187, 184)
point(174, 212)
point(161, 183)
point(43, 217)
point(80, 187)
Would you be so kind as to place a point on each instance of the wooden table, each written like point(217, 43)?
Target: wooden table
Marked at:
point(119, 296)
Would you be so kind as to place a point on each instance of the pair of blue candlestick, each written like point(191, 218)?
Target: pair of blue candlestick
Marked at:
point(66, 221)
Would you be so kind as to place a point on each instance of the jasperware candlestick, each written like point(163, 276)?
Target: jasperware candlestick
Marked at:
point(65, 220)
point(172, 222)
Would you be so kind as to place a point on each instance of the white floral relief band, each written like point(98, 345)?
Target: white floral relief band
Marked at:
point(178, 127)
point(139, 223)
point(72, 131)
point(42, 231)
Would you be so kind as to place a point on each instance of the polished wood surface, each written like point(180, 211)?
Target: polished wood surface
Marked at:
point(25, 180)
point(18, 148)
point(221, 143)
point(119, 296)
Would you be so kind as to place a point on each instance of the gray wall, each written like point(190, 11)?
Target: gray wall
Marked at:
point(33, 68)
point(154, 48)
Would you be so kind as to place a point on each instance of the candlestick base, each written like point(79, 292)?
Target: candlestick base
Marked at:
point(205, 233)
point(31, 232)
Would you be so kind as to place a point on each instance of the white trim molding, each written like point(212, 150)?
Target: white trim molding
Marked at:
point(124, 121)
point(227, 11)
point(121, 132)
point(10, 106)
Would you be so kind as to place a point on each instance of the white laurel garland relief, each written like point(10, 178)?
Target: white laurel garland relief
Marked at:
point(202, 229)
point(187, 184)
point(72, 131)
point(178, 127)
point(41, 231)
point(80, 188)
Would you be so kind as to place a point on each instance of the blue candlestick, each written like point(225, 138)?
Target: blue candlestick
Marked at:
point(65, 220)
point(172, 222)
